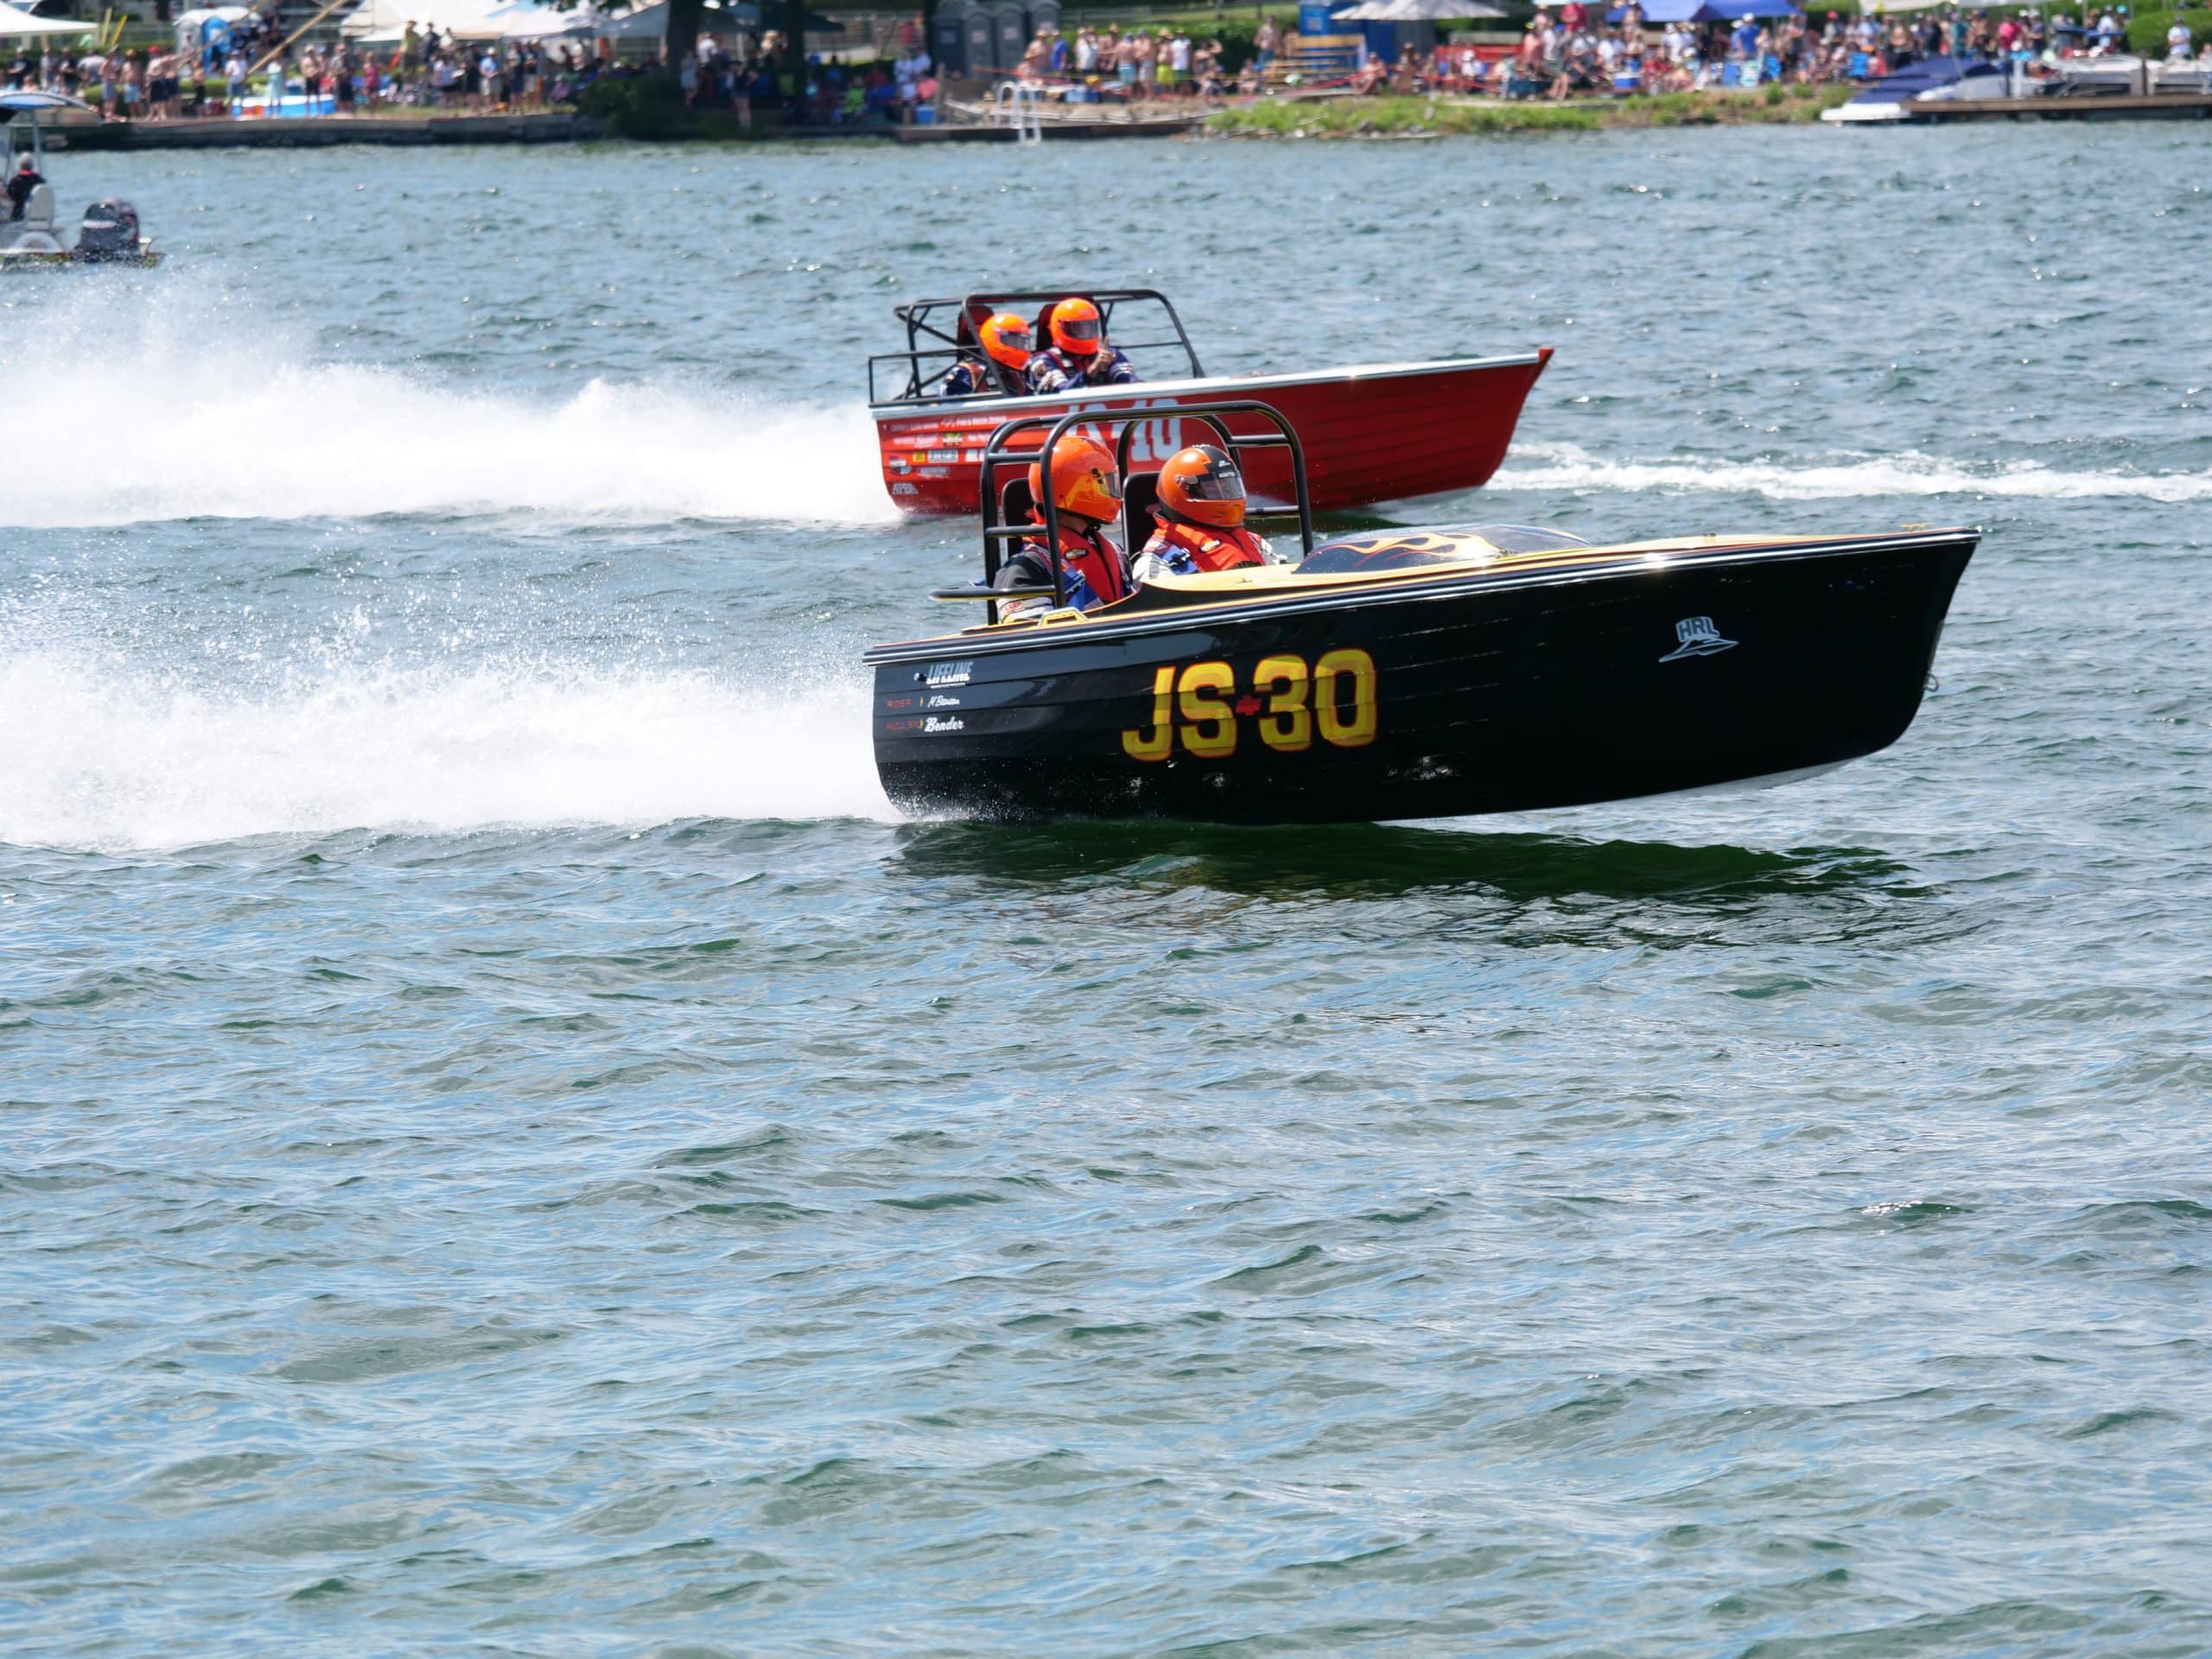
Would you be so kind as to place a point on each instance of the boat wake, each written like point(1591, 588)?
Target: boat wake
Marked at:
point(172, 422)
point(100, 757)
point(1567, 467)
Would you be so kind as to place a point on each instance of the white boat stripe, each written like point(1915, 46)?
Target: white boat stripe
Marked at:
point(1212, 383)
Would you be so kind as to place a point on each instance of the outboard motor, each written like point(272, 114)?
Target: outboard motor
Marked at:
point(110, 231)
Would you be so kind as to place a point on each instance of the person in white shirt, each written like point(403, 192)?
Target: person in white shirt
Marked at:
point(2177, 40)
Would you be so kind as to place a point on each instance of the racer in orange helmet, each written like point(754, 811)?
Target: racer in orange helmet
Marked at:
point(1007, 344)
point(1088, 494)
point(1199, 520)
point(1079, 354)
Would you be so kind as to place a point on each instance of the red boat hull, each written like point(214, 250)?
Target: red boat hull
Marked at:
point(1382, 433)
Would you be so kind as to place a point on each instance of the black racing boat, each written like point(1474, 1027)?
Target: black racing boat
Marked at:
point(1406, 674)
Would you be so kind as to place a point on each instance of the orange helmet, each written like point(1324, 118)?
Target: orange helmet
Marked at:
point(1007, 339)
point(1076, 327)
point(1203, 485)
point(1083, 481)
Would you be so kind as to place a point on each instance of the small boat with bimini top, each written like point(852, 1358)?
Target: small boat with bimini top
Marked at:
point(1373, 432)
point(29, 238)
point(1402, 673)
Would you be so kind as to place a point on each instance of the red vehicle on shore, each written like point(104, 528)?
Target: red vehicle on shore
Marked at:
point(1372, 432)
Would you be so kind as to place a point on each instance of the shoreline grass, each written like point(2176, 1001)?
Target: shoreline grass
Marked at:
point(1441, 117)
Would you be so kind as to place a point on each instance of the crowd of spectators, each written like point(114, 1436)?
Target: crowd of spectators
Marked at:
point(422, 70)
point(1578, 51)
point(873, 94)
point(718, 75)
point(140, 86)
point(1132, 66)
point(427, 71)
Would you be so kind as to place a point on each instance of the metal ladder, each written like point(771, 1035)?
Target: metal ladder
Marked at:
point(1016, 107)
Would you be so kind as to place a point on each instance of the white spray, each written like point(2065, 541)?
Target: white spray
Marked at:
point(154, 412)
point(99, 756)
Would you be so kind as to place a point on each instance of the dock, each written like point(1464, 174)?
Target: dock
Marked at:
point(1053, 129)
point(2097, 106)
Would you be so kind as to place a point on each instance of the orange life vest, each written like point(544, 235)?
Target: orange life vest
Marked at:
point(1210, 548)
point(1088, 555)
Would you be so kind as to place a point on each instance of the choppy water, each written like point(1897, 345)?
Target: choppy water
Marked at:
point(510, 1146)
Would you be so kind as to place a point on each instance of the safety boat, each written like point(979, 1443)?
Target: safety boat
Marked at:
point(1406, 673)
point(108, 234)
point(1373, 432)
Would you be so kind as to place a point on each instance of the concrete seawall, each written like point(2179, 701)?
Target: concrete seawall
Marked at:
point(317, 132)
point(322, 131)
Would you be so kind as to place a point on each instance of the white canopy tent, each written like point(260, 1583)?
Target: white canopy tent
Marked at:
point(16, 24)
point(1421, 11)
point(381, 22)
point(641, 24)
point(525, 22)
point(195, 29)
point(650, 23)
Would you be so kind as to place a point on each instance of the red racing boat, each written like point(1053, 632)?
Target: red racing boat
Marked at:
point(1374, 432)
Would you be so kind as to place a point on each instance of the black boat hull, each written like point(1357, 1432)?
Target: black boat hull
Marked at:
point(1471, 694)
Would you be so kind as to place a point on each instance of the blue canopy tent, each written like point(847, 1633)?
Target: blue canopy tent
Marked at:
point(1707, 11)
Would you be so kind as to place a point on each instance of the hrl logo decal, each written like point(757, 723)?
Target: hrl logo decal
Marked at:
point(1696, 636)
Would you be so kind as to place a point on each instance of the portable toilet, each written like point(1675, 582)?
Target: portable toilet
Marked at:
point(949, 43)
point(1044, 14)
point(1013, 33)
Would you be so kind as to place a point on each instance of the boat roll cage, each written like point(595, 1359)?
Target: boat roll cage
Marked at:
point(1003, 451)
point(926, 367)
point(24, 136)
